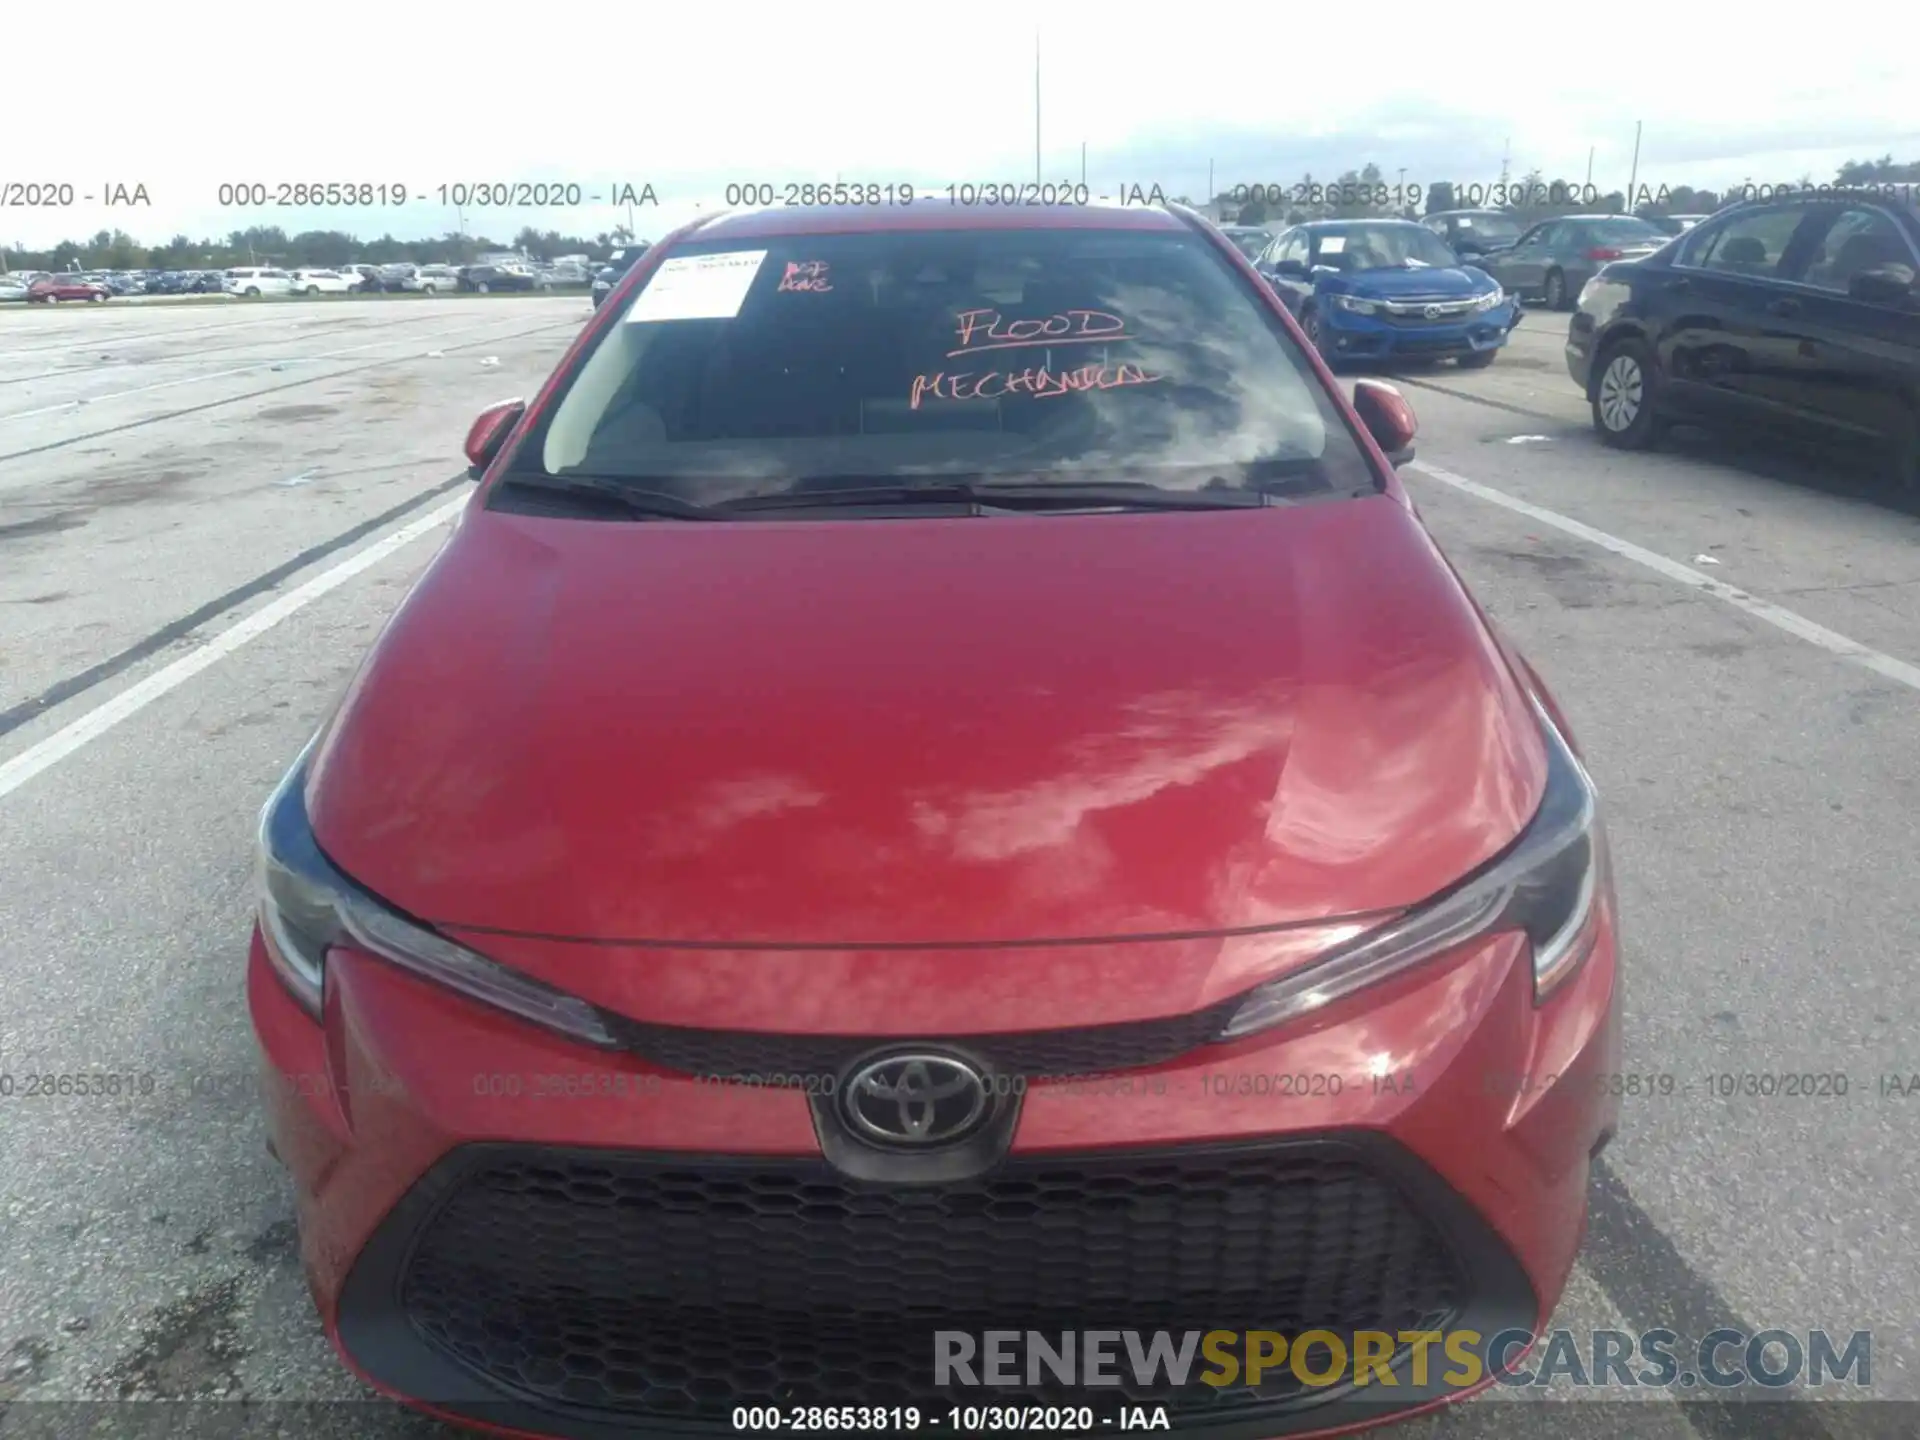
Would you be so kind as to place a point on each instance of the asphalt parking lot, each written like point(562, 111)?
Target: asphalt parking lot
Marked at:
point(206, 513)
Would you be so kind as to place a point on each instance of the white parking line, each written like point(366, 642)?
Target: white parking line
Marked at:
point(96, 722)
point(1775, 615)
point(105, 333)
point(246, 369)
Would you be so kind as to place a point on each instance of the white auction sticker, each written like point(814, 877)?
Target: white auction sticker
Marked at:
point(698, 287)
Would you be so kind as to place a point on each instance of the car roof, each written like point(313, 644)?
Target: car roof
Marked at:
point(1358, 220)
point(772, 221)
point(1898, 204)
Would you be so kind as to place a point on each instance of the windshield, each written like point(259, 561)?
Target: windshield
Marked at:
point(1040, 355)
point(1489, 226)
point(1623, 230)
point(1403, 246)
point(1250, 242)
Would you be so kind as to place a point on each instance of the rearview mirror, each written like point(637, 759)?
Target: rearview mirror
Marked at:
point(1883, 284)
point(489, 432)
point(1388, 418)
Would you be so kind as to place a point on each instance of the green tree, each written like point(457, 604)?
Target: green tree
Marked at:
point(1882, 171)
point(1354, 193)
point(1524, 192)
point(1440, 197)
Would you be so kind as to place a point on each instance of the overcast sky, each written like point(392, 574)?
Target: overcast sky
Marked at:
point(690, 97)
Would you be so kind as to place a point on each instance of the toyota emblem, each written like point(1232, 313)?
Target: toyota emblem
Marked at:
point(1433, 312)
point(916, 1099)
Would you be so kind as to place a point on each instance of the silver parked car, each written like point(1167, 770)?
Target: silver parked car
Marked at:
point(1556, 258)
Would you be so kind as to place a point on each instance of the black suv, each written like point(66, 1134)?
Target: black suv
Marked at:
point(608, 275)
point(1474, 232)
point(1794, 314)
point(482, 279)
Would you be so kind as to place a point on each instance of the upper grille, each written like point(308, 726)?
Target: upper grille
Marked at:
point(1130, 1045)
point(645, 1287)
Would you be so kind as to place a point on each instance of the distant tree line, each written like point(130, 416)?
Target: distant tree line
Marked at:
point(313, 249)
point(1533, 196)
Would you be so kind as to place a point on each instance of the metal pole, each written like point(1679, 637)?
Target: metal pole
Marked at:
point(1634, 175)
point(1589, 166)
point(1036, 107)
point(1083, 162)
point(1210, 195)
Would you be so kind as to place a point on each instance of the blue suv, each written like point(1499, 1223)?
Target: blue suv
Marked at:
point(1387, 290)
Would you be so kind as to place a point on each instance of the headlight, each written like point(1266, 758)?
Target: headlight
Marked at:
point(1545, 884)
point(1492, 298)
point(307, 907)
point(1355, 304)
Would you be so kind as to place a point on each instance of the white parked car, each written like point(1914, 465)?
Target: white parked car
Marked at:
point(322, 282)
point(251, 280)
point(434, 278)
point(12, 288)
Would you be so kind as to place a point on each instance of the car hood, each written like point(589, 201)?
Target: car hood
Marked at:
point(1450, 282)
point(927, 732)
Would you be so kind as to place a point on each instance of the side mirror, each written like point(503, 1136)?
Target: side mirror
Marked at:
point(488, 433)
point(1883, 284)
point(1293, 269)
point(1388, 418)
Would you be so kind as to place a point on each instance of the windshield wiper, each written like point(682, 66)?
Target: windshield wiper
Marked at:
point(1009, 495)
point(650, 504)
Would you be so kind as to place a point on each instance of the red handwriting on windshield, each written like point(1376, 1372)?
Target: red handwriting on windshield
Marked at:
point(990, 330)
point(1039, 382)
point(806, 275)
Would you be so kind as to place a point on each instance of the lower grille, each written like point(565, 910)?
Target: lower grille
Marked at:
point(628, 1288)
point(1422, 322)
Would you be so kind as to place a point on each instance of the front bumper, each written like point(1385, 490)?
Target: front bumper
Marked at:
point(1348, 335)
point(591, 1260)
point(1582, 335)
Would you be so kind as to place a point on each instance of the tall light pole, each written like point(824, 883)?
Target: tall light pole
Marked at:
point(1036, 107)
point(1083, 162)
point(1634, 175)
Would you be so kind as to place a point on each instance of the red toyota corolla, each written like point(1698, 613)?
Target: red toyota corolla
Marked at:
point(863, 832)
